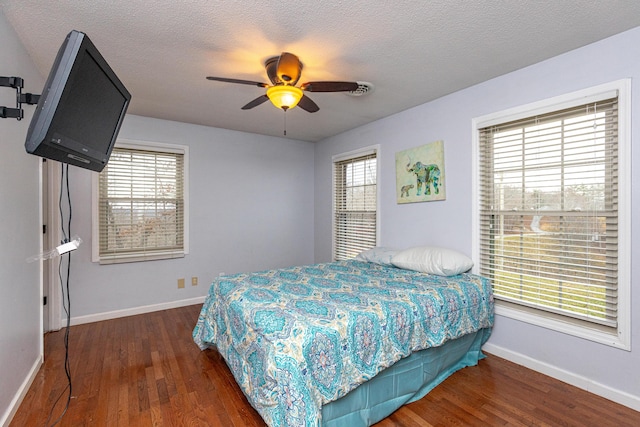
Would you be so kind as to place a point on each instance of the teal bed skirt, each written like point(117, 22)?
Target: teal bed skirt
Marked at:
point(406, 381)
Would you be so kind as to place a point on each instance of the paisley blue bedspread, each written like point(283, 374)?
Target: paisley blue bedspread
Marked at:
point(297, 338)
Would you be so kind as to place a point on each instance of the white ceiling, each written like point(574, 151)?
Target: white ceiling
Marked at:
point(413, 51)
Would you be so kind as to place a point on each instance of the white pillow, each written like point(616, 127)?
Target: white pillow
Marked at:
point(379, 255)
point(433, 260)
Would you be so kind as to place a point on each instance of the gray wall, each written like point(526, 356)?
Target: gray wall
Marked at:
point(449, 223)
point(20, 324)
point(251, 208)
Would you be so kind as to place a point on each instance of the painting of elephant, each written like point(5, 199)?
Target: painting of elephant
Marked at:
point(427, 176)
point(404, 191)
point(420, 174)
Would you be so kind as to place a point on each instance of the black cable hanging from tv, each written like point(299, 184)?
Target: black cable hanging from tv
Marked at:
point(66, 303)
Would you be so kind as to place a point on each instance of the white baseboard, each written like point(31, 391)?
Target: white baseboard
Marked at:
point(79, 320)
point(21, 393)
point(579, 381)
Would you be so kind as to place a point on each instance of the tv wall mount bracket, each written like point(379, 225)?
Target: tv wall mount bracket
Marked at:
point(21, 98)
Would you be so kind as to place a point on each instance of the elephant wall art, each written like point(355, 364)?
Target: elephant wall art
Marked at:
point(420, 173)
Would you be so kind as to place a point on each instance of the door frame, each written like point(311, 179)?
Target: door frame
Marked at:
point(52, 314)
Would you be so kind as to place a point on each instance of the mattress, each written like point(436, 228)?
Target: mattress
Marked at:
point(299, 338)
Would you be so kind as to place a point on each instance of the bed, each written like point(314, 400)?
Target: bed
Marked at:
point(343, 343)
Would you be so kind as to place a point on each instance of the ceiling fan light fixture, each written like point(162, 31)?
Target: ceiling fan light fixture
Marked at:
point(284, 97)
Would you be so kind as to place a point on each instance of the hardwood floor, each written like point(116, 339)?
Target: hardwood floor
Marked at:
point(145, 370)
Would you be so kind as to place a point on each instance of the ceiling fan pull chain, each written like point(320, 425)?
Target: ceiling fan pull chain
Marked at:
point(285, 122)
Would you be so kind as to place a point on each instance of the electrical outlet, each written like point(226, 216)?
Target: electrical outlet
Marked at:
point(194, 281)
point(180, 283)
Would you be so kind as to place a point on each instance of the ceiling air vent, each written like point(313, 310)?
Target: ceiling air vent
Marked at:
point(363, 89)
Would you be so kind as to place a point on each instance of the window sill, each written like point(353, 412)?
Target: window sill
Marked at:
point(139, 257)
point(559, 323)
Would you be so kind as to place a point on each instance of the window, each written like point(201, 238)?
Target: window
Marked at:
point(355, 203)
point(140, 204)
point(552, 236)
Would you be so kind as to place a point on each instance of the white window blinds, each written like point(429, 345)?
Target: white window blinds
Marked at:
point(355, 205)
point(549, 211)
point(141, 206)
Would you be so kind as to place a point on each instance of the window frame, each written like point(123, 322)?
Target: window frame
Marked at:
point(619, 337)
point(95, 195)
point(372, 149)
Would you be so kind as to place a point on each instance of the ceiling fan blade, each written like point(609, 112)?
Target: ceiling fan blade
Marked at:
point(289, 68)
point(329, 86)
point(307, 104)
point(271, 65)
point(242, 82)
point(259, 100)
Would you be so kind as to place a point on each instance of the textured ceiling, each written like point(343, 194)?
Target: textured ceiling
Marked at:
point(413, 51)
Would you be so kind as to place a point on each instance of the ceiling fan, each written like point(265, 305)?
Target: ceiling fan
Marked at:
point(284, 71)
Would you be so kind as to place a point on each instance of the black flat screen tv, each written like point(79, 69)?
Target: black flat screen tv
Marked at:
point(81, 107)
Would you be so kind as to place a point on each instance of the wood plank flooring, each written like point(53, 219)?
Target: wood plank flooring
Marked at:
point(146, 371)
